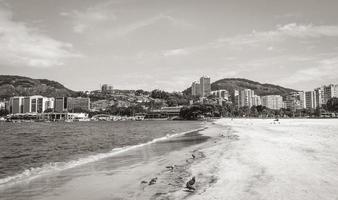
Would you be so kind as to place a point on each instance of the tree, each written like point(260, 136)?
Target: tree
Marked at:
point(332, 105)
point(3, 112)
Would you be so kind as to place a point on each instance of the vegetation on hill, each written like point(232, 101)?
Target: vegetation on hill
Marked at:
point(24, 86)
point(231, 84)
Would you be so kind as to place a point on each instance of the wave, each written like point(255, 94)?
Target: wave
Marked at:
point(32, 173)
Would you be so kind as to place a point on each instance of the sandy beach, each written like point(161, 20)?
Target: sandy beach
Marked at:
point(242, 159)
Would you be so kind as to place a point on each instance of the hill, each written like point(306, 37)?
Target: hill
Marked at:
point(24, 86)
point(232, 84)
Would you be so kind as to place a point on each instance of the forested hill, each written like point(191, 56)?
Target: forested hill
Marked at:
point(261, 89)
point(24, 86)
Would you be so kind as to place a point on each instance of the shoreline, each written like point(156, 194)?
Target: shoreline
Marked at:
point(242, 159)
point(32, 173)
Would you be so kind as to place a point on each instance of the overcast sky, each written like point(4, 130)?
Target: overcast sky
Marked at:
point(167, 44)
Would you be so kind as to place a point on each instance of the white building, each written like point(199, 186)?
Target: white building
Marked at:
point(274, 102)
point(246, 97)
point(222, 94)
point(37, 104)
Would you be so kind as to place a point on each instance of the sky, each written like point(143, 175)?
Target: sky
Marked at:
point(168, 44)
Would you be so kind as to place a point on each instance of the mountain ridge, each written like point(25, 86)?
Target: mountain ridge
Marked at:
point(13, 85)
point(261, 89)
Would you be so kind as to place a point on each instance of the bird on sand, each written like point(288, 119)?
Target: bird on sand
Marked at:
point(153, 181)
point(190, 184)
point(170, 167)
point(193, 156)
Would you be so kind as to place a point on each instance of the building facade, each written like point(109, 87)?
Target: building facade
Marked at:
point(105, 88)
point(195, 89)
point(37, 104)
point(60, 104)
point(329, 92)
point(295, 101)
point(311, 102)
point(78, 103)
point(205, 86)
point(245, 98)
point(274, 102)
point(16, 104)
point(222, 94)
point(319, 93)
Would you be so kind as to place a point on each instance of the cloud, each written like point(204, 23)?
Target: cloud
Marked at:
point(132, 27)
point(83, 20)
point(281, 33)
point(22, 45)
point(175, 52)
point(326, 69)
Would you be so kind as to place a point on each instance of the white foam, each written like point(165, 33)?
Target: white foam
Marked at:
point(32, 173)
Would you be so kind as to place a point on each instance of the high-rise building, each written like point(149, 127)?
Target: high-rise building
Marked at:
point(105, 88)
point(319, 93)
point(196, 89)
point(295, 101)
point(256, 100)
point(302, 99)
point(329, 92)
point(235, 98)
point(205, 86)
point(336, 91)
point(16, 104)
point(274, 102)
point(311, 102)
point(245, 98)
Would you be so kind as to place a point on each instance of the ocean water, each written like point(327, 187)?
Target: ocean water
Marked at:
point(30, 149)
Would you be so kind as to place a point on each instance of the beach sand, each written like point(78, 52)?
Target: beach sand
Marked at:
point(242, 159)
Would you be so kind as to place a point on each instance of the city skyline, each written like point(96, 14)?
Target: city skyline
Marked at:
point(158, 44)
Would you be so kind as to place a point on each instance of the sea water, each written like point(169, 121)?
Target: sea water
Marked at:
point(29, 150)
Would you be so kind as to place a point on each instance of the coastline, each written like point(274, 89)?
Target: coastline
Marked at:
point(242, 159)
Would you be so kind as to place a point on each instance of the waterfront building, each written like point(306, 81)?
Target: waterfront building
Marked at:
point(311, 102)
point(164, 112)
point(16, 105)
point(60, 104)
point(78, 103)
point(274, 102)
point(195, 89)
point(205, 86)
point(37, 104)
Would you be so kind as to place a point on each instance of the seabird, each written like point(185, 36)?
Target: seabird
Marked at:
point(170, 167)
point(190, 184)
point(153, 181)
